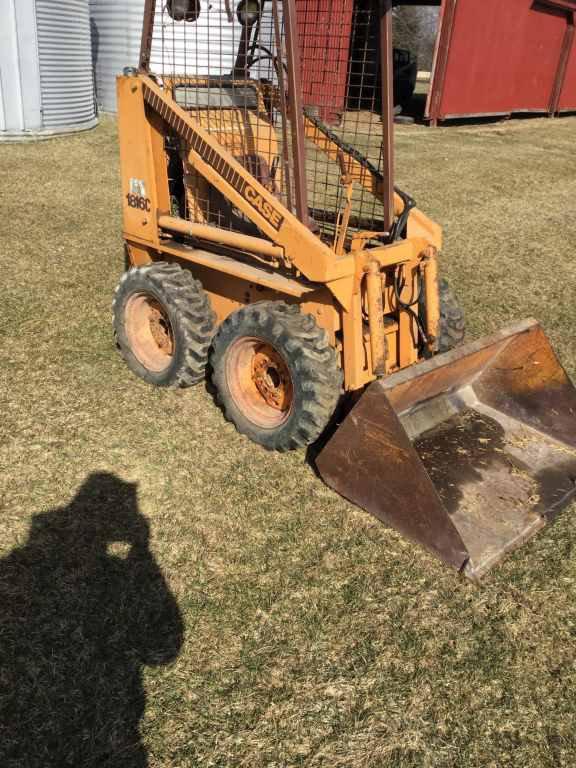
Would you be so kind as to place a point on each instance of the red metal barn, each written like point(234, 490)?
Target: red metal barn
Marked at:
point(493, 57)
point(497, 58)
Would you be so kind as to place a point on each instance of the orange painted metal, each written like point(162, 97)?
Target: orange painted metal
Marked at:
point(220, 236)
point(375, 295)
point(233, 180)
point(300, 251)
point(431, 294)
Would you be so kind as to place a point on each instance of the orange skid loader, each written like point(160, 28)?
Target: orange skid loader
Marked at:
point(266, 241)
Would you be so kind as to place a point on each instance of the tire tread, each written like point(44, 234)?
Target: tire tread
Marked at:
point(189, 309)
point(313, 360)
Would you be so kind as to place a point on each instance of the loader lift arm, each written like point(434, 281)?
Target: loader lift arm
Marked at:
point(302, 248)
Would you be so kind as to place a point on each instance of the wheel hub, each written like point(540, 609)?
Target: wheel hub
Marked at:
point(160, 328)
point(272, 378)
point(260, 382)
point(149, 331)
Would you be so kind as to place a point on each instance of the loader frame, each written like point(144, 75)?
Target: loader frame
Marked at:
point(349, 290)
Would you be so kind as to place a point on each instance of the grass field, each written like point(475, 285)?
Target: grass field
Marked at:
point(258, 619)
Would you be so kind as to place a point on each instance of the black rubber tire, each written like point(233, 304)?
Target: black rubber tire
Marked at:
point(312, 363)
point(191, 317)
point(452, 324)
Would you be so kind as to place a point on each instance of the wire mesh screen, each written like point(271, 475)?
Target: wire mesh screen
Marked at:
point(341, 86)
point(222, 64)
point(225, 63)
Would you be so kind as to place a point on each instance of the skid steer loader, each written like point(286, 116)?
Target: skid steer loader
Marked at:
point(266, 242)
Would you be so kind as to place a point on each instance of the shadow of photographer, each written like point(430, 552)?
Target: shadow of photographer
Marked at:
point(83, 608)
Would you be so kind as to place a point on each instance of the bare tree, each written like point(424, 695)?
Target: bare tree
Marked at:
point(415, 29)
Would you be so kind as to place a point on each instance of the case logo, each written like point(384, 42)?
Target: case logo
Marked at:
point(263, 207)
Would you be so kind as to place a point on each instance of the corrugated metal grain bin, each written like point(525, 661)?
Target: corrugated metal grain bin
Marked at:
point(205, 46)
point(46, 83)
point(116, 32)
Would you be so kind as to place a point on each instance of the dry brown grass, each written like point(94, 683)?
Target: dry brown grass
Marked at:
point(313, 636)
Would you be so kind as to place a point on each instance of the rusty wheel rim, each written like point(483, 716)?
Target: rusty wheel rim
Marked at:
point(149, 331)
point(260, 382)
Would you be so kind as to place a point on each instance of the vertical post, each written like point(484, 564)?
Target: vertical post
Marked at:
point(562, 65)
point(283, 106)
point(387, 69)
point(440, 65)
point(241, 70)
point(147, 33)
point(295, 110)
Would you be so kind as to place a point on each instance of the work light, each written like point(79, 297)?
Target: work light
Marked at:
point(183, 10)
point(248, 12)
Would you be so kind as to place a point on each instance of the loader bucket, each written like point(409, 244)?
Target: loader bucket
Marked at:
point(469, 453)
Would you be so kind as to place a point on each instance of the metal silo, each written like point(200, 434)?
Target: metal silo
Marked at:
point(206, 46)
point(116, 32)
point(46, 83)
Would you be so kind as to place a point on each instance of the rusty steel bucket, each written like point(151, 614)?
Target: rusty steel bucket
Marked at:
point(469, 453)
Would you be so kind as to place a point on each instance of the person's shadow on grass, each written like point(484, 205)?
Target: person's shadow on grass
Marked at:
point(83, 607)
